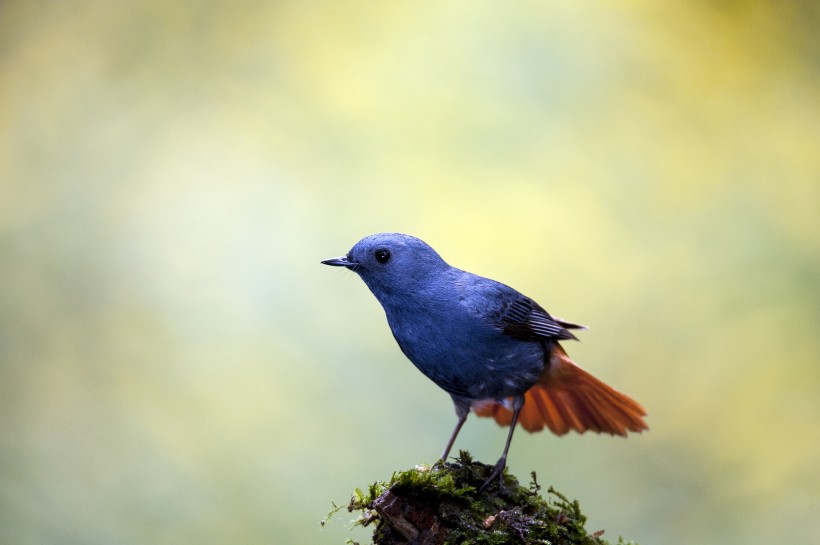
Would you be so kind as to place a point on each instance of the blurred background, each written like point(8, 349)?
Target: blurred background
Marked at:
point(176, 366)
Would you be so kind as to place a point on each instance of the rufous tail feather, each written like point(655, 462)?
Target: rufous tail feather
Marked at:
point(568, 398)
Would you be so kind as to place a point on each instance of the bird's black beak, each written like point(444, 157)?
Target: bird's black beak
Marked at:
point(342, 261)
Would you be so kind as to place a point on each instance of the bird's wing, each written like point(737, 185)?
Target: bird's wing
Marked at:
point(524, 319)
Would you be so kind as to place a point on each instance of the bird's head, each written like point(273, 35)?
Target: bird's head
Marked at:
point(392, 263)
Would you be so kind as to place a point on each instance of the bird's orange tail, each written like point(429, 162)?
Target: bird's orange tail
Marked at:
point(568, 398)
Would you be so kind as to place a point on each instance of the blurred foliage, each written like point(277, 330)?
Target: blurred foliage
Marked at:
point(176, 367)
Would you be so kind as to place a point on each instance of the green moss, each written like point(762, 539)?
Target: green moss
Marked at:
point(442, 505)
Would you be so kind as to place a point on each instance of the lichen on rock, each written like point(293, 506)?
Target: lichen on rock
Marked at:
point(441, 505)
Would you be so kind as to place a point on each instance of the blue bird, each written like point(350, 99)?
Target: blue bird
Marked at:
point(494, 350)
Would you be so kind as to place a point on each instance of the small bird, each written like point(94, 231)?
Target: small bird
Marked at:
point(494, 350)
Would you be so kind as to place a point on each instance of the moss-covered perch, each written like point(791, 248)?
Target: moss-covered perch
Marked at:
point(442, 506)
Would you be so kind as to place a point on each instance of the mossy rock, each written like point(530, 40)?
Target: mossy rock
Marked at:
point(442, 505)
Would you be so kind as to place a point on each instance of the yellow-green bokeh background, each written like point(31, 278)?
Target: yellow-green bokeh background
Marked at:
point(176, 366)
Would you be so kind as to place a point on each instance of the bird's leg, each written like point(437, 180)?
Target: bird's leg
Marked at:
point(462, 416)
point(498, 470)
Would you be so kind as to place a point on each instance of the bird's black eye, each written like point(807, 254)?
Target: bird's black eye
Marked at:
point(382, 255)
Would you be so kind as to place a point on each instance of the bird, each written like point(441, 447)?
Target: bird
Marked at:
point(494, 350)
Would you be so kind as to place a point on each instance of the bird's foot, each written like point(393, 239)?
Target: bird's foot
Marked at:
point(498, 472)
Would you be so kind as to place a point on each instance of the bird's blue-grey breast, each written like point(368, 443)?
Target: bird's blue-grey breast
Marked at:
point(449, 322)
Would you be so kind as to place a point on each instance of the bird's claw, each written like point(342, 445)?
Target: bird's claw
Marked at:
point(498, 472)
